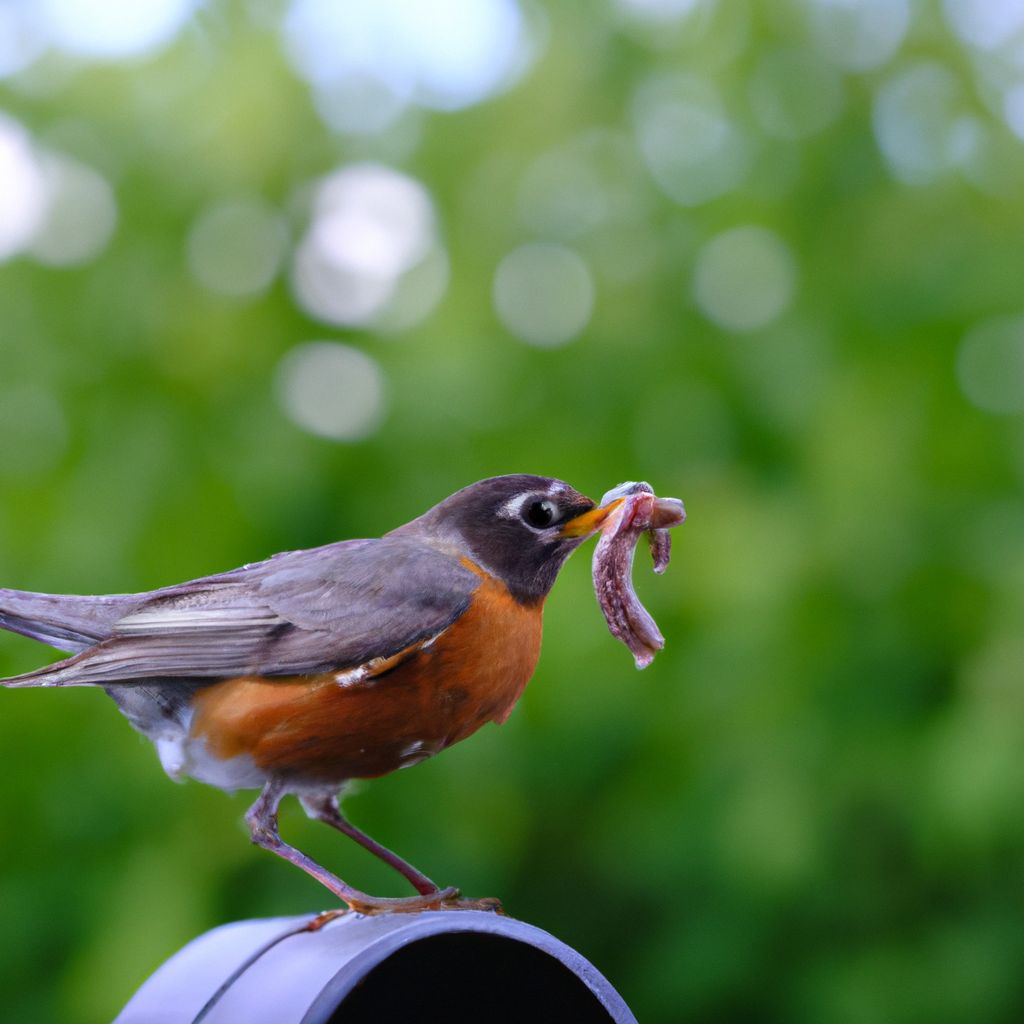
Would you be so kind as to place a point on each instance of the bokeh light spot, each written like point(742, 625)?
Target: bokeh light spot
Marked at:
point(562, 195)
point(745, 278)
point(235, 247)
point(357, 104)
point(416, 294)
point(332, 390)
point(335, 294)
point(373, 220)
point(447, 54)
point(21, 38)
point(1013, 109)
point(916, 122)
point(114, 28)
point(370, 226)
point(985, 24)
point(593, 179)
point(990, 365)
point(22, 188)
point(79, 217)
point(859, 34)
point(692, 150)
point(543, 294)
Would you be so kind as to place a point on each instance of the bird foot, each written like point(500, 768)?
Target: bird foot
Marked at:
point(324, 917)
point(489, 904)
point(443, 899)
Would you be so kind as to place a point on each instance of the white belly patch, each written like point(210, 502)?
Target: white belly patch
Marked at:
point(230, 774)
point(182, 755)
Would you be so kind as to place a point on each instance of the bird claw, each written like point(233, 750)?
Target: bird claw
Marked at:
point(323, 918)
point(443, 899)
point(369, 905)
point(488, 904)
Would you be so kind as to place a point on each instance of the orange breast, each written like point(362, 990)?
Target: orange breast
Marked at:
point(329, 728)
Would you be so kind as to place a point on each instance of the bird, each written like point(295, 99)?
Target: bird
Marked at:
point(300, 673)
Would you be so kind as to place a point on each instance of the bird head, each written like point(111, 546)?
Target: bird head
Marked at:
point(520, 528)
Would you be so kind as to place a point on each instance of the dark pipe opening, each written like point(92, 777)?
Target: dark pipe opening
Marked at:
point(465, 977)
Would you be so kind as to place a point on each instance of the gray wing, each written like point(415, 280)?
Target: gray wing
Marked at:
point(309, 611)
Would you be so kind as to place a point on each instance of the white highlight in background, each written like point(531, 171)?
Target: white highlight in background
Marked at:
point(332, 390)
point(1013, 109)
point(371, 227)
point(21, 37)
point(986, 24)
point(859, 34)
point(692, 150)
point(592, 179)
point(915, 118)
point(745, 278)
point(235, 247)
point(441, 54)
point(990, 365)
point(22, 188)
point(543, 294)
point(79, 217)
point(113, 28)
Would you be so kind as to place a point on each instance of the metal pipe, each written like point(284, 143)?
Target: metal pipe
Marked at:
point(451, 966)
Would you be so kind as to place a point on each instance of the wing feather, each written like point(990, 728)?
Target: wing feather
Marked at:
point(323, 609)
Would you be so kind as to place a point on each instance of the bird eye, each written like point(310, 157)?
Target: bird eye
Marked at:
point(540, 513)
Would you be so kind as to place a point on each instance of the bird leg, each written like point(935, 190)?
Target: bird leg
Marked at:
point(325, 808)
point(262, 821)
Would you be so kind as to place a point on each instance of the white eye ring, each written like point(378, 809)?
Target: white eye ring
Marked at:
point(519, 508)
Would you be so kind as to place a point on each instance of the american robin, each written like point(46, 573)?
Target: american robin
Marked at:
point(314, 667)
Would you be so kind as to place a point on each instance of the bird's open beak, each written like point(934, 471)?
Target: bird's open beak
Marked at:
point(590, 522)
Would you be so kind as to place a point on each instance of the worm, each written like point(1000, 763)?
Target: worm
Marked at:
point(639, 511)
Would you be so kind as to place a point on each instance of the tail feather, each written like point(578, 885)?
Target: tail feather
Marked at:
point(65, 621)
point(60, 673)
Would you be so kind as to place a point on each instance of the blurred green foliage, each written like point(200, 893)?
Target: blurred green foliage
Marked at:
point(809, 809)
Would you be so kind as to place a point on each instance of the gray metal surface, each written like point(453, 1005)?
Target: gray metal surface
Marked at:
point(276, 971)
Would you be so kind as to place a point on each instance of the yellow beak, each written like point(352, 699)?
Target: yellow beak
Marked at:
point(590, 522)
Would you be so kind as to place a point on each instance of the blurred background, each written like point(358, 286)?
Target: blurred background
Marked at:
point(278, 273)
